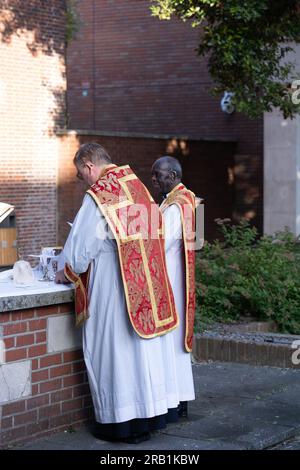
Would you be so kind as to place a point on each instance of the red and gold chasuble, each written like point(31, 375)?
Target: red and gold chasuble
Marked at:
point(136, 223)
point(185, 200)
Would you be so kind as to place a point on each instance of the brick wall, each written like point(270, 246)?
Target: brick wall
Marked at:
point(142, 75)
point(131, 73)
point(259, 351)
point(44, 381)
point(141, 78)
point(32, 107)
point(209, 178)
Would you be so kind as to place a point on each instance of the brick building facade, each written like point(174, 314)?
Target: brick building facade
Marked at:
point(136, 85)
point(41, 389)
point(32, 107)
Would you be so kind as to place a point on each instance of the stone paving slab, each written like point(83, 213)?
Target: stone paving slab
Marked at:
point(265, 438)
point(243, 381)
point(159, 441)
point(238, 406)
point(291, 444)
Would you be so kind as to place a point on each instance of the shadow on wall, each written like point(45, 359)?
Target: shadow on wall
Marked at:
point(58, 112)
point(210, 170)
point(37, 18)
point(41, 25)
point(32, 49)
point(249, 189)
point(206, 170)
point(228, 181)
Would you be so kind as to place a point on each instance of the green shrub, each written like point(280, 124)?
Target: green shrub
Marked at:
point(249, 276)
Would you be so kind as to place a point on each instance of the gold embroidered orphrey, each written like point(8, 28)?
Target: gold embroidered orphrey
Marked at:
point(136, 223)
point(185, 200)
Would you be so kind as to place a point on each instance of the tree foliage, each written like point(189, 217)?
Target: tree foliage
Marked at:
point(247, 42)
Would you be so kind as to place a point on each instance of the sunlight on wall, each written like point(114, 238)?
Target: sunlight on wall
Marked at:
point(32, 91)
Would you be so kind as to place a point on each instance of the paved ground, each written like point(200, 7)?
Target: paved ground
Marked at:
point(290, 444)
point(237, 407)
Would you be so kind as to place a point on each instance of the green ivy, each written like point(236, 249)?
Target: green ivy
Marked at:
point(73, 20)
point(247, 275)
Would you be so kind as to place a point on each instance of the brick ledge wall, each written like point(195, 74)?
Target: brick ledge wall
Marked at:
point(43, 380)
point(141, 135)
point(228, 349)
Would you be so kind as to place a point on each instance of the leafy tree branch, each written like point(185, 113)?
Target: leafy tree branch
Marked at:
point(247, 42)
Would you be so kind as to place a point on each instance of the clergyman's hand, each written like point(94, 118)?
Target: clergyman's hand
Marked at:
point(60, 278)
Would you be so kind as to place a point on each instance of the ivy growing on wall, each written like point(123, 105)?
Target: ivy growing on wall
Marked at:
point(73, 19)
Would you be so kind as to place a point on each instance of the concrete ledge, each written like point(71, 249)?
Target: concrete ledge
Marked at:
point(263, 349)
point(22, 302)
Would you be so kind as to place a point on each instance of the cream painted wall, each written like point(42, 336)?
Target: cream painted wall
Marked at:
point(282, 170)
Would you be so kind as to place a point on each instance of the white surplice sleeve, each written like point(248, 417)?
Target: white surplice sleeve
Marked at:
point(173, 227)
point(86, 237)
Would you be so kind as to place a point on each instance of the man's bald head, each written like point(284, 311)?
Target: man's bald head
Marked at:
point(166, 173)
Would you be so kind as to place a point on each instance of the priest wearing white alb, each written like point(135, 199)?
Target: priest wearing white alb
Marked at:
point(115, 274)
point(178, 206)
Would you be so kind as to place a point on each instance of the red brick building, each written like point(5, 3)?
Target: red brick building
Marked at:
point(136, 85)
point(32, 108)
point(40, 390)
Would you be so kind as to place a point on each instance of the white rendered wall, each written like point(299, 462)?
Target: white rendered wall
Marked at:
point(282, 170)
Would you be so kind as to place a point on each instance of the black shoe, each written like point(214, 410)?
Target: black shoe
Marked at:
point(182, 409)
point(137, 438)
point(97, 433)
point(103, 437)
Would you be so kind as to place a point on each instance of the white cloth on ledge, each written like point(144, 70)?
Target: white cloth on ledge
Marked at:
point(9, 289)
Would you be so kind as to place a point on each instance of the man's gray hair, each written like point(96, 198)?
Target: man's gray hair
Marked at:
point(91, 152)
point(172, 163)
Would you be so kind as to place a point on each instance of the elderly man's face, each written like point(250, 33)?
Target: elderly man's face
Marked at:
point(162, 178)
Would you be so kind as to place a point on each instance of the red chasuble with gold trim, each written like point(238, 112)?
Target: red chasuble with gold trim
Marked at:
point(185, 200)
point(136, 223)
